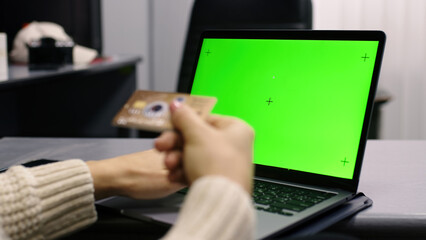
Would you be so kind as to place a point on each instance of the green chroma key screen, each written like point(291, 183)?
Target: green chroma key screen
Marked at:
point(306, 99)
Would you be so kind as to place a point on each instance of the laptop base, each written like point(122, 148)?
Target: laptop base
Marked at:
point(322, 222)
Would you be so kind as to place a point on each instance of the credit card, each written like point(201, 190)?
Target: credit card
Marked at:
point(149, 110)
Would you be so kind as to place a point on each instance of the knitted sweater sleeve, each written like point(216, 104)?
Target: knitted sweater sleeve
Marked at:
point(46, 202)
point(50, 201)
point(215, 208)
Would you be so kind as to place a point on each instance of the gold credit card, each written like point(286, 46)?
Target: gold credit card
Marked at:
point(148, 110)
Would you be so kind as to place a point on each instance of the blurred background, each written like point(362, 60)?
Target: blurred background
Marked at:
point(156, 31)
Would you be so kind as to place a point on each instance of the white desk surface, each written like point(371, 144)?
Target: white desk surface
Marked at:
point(394, 176)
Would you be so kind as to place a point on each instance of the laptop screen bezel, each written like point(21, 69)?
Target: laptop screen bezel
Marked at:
point(358, 35)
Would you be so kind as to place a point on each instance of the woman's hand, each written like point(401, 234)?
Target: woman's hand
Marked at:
point(140, 175)
point(219, 146)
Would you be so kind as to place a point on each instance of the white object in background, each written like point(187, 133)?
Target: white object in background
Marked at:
point(37, 30)
point(3, 57)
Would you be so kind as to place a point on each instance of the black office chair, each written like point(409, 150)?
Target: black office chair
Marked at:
point(239, 14)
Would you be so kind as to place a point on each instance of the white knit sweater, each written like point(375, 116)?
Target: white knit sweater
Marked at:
point(50, 201)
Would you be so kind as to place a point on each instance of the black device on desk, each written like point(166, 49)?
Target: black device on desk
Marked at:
point(308, 95)
point(49, 54)
point(33, 163)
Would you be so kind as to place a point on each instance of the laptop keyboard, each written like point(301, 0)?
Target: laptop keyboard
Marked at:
point(284, 199)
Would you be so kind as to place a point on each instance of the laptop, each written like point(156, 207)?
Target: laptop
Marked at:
point(309, 96)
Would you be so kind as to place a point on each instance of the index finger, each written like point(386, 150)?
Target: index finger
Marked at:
point(220, 121)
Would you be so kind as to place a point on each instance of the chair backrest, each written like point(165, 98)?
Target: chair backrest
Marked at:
point(239, 14)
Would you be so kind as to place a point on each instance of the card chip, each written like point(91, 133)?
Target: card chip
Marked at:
point(139, 104)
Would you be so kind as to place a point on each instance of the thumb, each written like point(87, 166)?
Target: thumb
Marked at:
point(186, 120)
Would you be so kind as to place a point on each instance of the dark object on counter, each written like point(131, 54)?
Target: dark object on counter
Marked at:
point(49, 54)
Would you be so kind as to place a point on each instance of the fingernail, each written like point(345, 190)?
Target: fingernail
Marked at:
point(175, 105)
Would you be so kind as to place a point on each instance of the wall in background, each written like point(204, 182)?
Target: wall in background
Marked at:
point(152, 29)
point(170, 22)
point(403, 72)
point(125, 30)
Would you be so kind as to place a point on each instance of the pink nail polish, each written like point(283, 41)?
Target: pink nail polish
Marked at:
point(175, 105)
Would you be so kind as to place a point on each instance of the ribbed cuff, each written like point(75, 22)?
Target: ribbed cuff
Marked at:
point(48, 201)
point(215, 208)
point(2, 234)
